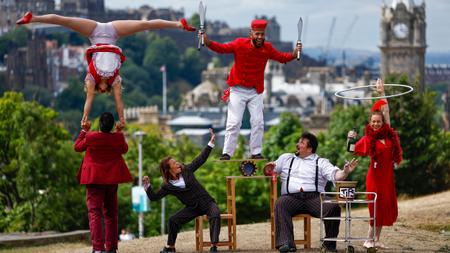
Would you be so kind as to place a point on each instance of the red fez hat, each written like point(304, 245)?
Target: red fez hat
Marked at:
point(259, 24)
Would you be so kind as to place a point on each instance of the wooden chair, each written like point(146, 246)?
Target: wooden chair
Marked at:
point(306, 230)
point(230, 216)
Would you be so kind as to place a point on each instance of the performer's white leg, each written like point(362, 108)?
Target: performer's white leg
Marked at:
point(256, 108)
point(236, 107)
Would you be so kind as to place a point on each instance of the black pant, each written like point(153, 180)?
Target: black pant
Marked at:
point(185, 215)
point(287, 206)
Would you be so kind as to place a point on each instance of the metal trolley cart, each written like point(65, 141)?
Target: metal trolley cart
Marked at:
point(348, 218)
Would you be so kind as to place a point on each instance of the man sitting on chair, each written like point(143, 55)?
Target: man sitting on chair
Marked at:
point(304, 176)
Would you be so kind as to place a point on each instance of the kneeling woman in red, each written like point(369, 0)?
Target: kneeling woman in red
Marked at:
point(104, 57)
point(382, 144)
point(179, 181)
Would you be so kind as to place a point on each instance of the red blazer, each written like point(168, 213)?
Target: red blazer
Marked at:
point(249, 61)
point(103, 162)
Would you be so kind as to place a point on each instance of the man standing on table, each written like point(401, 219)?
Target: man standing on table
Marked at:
point(304, 177)
point(246, 81)
point(102, 169)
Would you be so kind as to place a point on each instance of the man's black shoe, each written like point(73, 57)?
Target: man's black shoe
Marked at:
point(329, 249)
point(225, 157)
point(284, 248)
point(111, 251)
point(214, 249)
point(258, 156)
point(293, 249)
point(165, 250)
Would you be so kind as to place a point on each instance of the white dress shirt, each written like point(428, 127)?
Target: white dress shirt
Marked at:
point(303, 173)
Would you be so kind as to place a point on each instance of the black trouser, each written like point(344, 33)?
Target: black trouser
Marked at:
point(287, 206)
point(185, 215)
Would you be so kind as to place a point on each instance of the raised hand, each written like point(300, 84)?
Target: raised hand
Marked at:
point(380, 87)
point(213, 137)
point(351, 134)
point(120, 125)
point(85, 124)
point(349, 167)
point(145, 181)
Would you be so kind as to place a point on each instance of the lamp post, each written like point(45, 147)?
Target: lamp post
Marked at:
point(140, 135)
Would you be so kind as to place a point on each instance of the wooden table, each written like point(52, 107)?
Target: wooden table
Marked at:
point(231, 202)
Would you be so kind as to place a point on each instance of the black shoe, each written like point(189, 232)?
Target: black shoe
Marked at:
point(165, 250)
point(329, 249)
point(214, 249)
point(284, 248)
point(111, 251)
point(293, 249)
point(225, 157)
point(258, 156)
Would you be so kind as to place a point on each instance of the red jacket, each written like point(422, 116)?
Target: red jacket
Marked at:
point(249, 61)
point(103, 162)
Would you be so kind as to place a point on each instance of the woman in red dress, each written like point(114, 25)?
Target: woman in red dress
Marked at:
point(382, 144)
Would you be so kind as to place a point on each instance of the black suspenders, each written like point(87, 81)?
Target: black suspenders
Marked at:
point(317, 175)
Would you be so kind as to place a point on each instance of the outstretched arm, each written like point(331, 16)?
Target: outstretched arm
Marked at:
point(384, 108)
point(117, 90)
point(201, 159)
point(228, 48)
point(153, 196)
point(90, 87)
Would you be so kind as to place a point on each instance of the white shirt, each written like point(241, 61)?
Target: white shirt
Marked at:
point(179, 183)
point(303, 173)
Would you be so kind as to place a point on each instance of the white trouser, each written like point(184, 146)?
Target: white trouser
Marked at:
point(238, 99)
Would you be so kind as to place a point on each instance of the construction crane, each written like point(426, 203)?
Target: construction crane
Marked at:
point(330, 35)
point(343, 43)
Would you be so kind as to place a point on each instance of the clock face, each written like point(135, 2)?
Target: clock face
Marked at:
point(400, 30)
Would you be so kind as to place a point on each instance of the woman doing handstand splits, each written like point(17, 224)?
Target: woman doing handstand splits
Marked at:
point(104, 57)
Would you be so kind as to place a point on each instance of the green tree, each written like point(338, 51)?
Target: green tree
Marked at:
point(193, 66)
point(217, 62)
point(38, 165)
point(136, 44)
point(38, 94)
point(17, 37)
point(163, 51)
point(282, 138)
point(195, 21)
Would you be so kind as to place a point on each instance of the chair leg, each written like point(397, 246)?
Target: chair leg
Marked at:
point(309, 232)
point(200, 225)
point(197, 241)
point(230, 234)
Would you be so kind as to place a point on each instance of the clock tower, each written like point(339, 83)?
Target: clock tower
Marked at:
point(402, 40)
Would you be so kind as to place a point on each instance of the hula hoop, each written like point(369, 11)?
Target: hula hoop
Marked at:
point(374, 85)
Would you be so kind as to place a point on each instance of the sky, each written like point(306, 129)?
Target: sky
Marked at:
point(317, 17)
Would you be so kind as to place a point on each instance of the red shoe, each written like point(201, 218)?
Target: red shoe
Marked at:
point(25, 20)
point(186, 26)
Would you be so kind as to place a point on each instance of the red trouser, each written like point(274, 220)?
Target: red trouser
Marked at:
point(102, 199)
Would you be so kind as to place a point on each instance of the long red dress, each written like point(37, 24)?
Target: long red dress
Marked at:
point(381, 181)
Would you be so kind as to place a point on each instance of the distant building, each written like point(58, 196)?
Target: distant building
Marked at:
point(28, 66)
point(437, 73)
point(402, 40)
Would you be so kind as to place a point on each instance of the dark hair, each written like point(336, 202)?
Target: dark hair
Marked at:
point(312, 141)
point(164, 168)
point(106, 122)
point(377, 112)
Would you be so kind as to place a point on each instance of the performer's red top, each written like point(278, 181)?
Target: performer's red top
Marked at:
point(249, 61)
point(103, 162)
